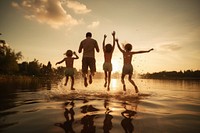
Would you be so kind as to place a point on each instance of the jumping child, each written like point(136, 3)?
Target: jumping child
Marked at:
point(107, 66)
point(127, 67)
point(69, 61)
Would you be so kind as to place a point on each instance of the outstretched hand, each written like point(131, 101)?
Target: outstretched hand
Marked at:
point(151, 49)
point(105, 36)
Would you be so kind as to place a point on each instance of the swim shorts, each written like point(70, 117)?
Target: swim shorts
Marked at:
point(127, 69)
point(88, 62)
point(69, 72)
point(107, 66)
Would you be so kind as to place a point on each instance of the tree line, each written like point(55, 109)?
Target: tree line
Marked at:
point(9, 66)
point(186, 74)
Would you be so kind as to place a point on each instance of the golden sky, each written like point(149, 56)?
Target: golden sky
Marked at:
point(45, 29)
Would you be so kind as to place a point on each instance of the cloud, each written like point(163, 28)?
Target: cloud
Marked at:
point(170, 47)
point(50, 12)
point(93, 25)
point(77, 7)
point(15, 5)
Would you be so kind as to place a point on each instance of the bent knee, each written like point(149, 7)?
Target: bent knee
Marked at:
point(130, 79)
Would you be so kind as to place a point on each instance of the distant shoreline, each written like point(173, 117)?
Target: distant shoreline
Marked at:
point(5, 78)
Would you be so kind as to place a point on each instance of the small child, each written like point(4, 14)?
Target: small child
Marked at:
point(69, 61)
point(127, 67)
point(107, 66)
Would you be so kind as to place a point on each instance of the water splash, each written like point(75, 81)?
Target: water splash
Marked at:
point(94, 91)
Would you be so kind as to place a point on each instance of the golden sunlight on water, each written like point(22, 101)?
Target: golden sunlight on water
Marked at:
point(162, 106)
point(114, 84)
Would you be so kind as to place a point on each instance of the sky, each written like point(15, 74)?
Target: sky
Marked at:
point(45, 29)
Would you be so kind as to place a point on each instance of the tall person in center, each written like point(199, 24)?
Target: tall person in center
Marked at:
point(88, 45)
point(127, 67)
point(107, 66)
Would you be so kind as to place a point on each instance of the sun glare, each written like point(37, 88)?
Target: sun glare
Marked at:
point(114, 84)
point(116, 66)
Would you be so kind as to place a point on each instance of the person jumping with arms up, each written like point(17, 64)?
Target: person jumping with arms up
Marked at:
point(107, 66)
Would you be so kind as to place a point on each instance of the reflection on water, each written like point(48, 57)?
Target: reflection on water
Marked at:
point(107, 123)
point(69, 116)
point(90, 114)
point(128, 117)
point(162, 106)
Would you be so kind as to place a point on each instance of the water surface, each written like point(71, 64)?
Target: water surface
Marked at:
point(162, 106)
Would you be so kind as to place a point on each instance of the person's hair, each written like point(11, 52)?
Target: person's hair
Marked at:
point(128, 47)
point(69, 53)
point(108, 48)
point(88, 34)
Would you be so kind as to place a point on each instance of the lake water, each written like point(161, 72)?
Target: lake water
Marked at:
point(162, 106)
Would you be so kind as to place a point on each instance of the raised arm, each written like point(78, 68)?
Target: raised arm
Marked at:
point(113, 34)
point(140, 52)
point(104, 39)
point(119, 45)
point(60, 61)
point(76, 56)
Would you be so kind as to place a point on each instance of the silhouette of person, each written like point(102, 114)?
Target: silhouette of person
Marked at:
point(107, 65)
point(88, 45)
point(69, 61)
point(107, 123)
point(127, 67)
point(126, 123)
point(67, 125)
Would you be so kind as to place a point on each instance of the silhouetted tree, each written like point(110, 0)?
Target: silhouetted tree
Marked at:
point(47, 70)
point(8, 60)
point(23, 68)
point(34, 68)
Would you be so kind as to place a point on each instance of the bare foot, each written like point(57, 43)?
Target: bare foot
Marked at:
point(105, 84)
point(72, 88)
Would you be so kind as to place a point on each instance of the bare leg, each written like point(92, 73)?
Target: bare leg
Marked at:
point(109, 78)
point(122, 80)
point(90, 78)
point(85, 80)
point(105, 78)
point(66, 80)
point(72, 83)
point(133, 83)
